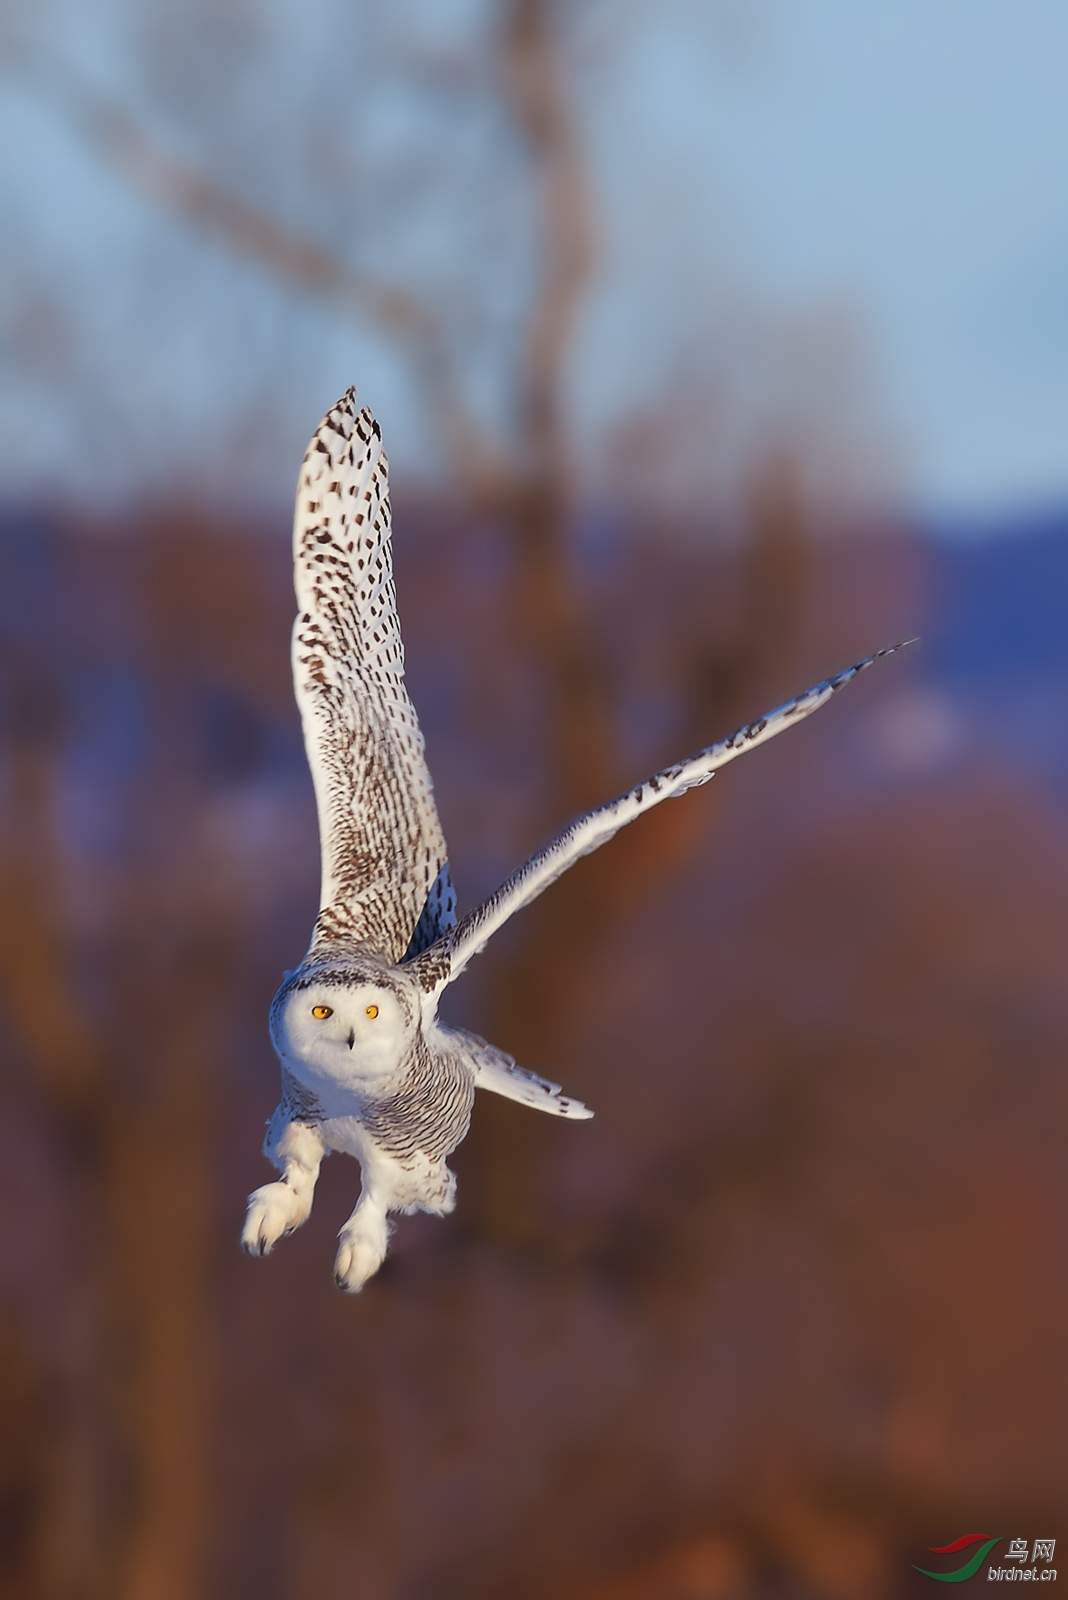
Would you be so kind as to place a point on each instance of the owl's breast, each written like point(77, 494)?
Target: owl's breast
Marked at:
point(340, 1084)
point(428, 1113)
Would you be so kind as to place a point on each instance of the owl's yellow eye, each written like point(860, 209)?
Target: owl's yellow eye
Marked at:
point(372, 1011)
point(319, 1012)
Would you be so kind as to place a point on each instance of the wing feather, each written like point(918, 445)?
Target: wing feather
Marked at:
point(385, 874)
point(496, 1071)
point(446, 959)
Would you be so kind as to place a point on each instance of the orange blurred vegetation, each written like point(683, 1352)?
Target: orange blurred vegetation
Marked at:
point(788, 1312)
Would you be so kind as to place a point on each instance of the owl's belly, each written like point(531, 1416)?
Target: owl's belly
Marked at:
point(416, 1182)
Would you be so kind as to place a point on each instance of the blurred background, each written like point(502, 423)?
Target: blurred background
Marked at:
point(715, 343)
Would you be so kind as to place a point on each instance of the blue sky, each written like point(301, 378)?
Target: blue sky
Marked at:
point(912, 159)
point(903, 167)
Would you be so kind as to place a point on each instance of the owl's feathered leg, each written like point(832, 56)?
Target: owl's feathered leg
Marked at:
point(297, 1150)
point(421, 1182)
point(363, 1241)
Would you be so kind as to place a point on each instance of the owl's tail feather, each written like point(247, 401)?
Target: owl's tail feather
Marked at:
point(496, 1071)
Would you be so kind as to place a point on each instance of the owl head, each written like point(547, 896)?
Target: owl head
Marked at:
point(353, 1021)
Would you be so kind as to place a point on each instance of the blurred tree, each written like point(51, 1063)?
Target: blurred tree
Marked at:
point(429, 176)
point(463, 230)
point(813, 1223)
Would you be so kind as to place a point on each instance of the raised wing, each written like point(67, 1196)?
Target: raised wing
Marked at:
point(446, 959)
point(385, 874)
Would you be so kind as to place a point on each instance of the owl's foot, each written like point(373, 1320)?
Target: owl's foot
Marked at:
point(297, 1149)
point(273, 1211)
point(361, 1247)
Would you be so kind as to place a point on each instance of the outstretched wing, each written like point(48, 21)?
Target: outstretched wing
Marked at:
point(496, 1071)
point(385, 874)
point(445, 960)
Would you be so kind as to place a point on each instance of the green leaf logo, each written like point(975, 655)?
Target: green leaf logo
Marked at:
point(970, 1567)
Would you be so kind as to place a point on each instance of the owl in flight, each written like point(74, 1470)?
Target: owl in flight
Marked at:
point(367, 1066)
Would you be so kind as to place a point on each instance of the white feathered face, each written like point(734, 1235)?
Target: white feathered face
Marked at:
point(345, 1028)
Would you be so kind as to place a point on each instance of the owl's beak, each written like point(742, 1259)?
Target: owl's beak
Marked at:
point(352, 1037)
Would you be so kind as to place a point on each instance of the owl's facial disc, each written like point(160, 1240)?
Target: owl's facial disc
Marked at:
point(345, 1030)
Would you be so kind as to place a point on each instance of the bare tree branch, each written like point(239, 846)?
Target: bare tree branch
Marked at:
point(540, 104)
point(190, 194)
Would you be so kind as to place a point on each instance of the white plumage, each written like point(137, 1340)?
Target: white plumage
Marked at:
point(367, 1067)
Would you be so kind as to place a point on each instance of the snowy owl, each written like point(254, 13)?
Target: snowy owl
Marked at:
point(368, 1068)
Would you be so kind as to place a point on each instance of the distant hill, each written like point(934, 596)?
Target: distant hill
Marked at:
point(1002, 602)
point(998, 644)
